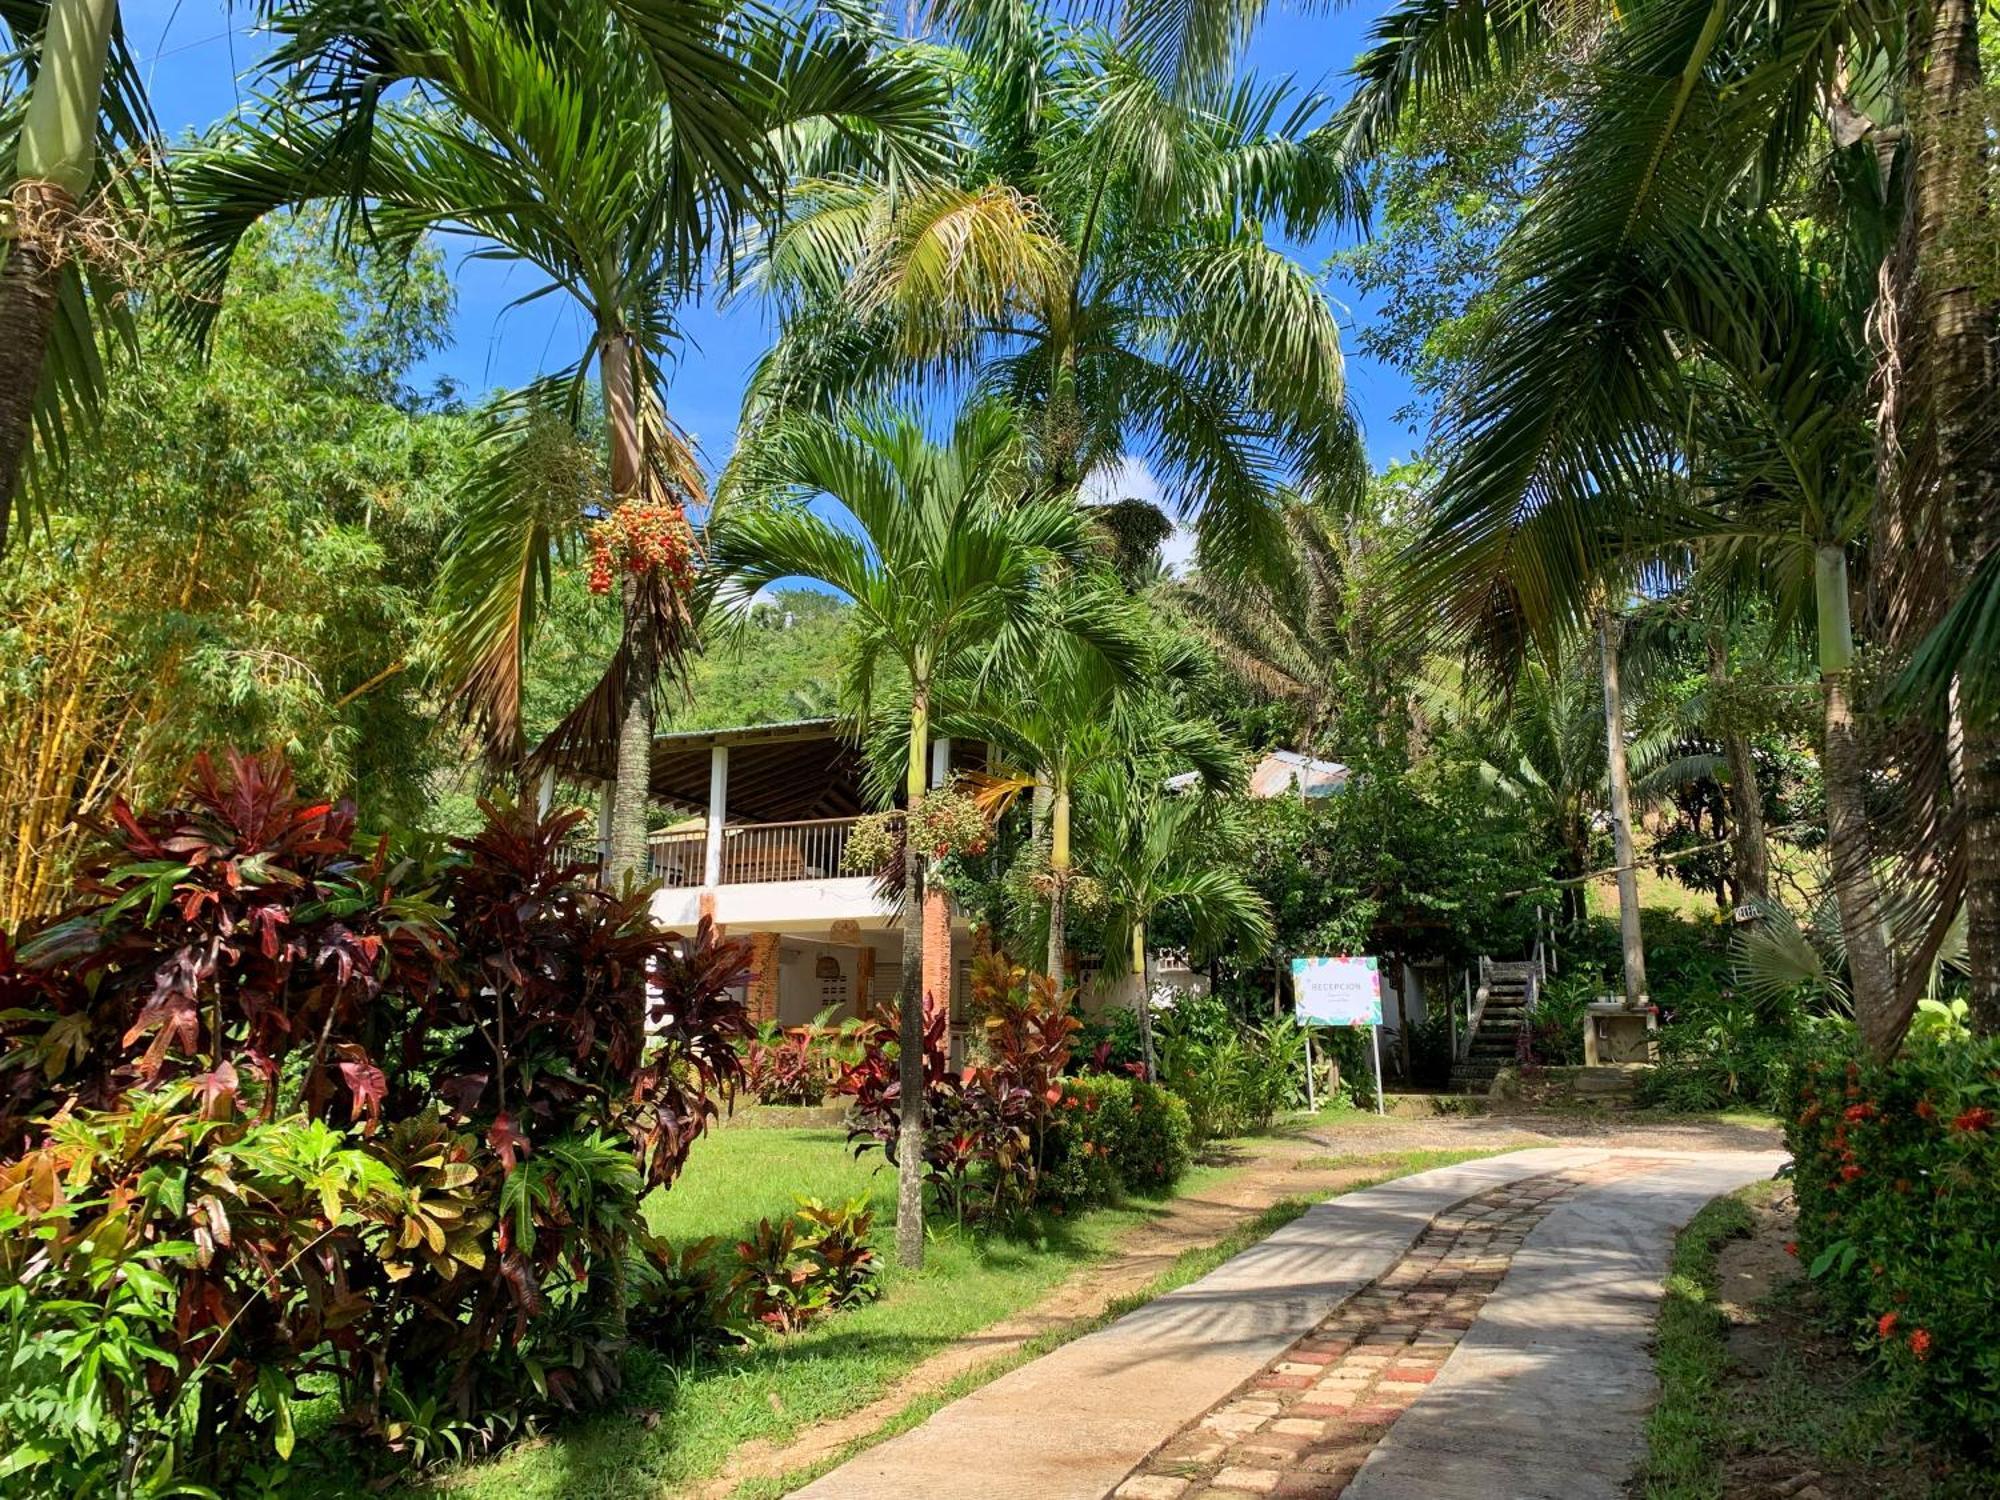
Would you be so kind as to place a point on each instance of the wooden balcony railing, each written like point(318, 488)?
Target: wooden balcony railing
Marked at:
point(811, 849)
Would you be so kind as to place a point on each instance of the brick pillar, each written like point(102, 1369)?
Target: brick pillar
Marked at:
point(763, 998)
point(864, 980)
point(937, 946)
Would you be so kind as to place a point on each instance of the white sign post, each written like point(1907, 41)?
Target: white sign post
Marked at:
point(1342, 992)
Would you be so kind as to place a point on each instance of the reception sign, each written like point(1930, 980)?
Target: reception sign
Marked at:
point(1340, 992)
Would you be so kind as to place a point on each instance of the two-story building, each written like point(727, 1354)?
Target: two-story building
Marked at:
point(761, 849)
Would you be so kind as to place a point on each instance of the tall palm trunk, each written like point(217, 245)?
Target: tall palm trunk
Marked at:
point(1746, 801)
point(1870, 968)
point(1958, 381)
point(1142, 976)
point(53, 165)
point(1609, 629)
point(910, 1006)
point(633, 771)
point(1059, 867)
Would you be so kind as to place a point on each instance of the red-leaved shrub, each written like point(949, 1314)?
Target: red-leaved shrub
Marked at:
point(273, 1102)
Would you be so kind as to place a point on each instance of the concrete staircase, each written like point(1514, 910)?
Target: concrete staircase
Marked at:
point(1507, 992)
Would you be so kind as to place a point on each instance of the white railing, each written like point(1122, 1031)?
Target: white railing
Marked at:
point(753, 853)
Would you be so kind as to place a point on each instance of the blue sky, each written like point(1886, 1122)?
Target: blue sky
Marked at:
point(194, 50)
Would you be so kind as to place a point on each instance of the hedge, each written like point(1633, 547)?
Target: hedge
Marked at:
point(1114, 1135)
point(1898, 1178)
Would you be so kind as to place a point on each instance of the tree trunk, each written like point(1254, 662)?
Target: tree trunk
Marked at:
point(54, 162)
point(1141, 973)
point(1982, 874)
point(1959, 384)
point(1403, 1053)
point(1609, 628)
point(1870, 968)
point(910, 1014)
point(29, 280)
point(1059, 868)
point(633, 770)
point(1746, 799)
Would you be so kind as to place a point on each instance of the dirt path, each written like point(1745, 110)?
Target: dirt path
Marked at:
point(1313, 1161)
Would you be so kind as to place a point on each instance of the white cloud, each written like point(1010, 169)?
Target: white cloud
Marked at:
point(1131, 479)
point(1128, 479)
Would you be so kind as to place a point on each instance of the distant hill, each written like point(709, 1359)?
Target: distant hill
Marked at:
point(783, 663)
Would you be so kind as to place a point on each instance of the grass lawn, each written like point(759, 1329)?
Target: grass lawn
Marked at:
point(679, 1425)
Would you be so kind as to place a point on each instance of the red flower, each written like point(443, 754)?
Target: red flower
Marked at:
point(1791, 1247)
point(1849, 1173)
point(1926, 1110)
point(1886, 1324)
point(1973, 1119)
point(1920, 1343)
point(1859, 1112)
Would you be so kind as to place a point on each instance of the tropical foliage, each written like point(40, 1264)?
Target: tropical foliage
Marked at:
point(279, 1103)
point(1093, 250)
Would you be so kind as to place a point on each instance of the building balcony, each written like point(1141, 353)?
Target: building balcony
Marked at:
point(755, 853)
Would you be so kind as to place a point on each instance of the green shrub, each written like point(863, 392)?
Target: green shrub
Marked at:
point(1234, 1077)
point(1728, 1049)
point(1897, 1166)
point(1430, 1048)
point(1555, 1030)
point(1157, 1145)
point(1112, 1135)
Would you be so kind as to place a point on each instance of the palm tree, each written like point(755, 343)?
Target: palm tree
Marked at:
point(1069, 707)
point(1283, 635)
point(1162, 853)
point(614, 148)
point(74, 134)
point(1095, 252)
point(943, 560)
point(1545, 748)
point(1693, 117)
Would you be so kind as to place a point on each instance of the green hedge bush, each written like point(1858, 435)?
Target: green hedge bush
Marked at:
point(1898, 1176)
point(1112, 1135)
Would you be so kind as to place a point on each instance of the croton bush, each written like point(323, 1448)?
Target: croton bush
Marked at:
point(278, 1105)
point(1008, 1131)
point(1897, 1165)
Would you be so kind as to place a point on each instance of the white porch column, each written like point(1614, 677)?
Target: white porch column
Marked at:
point(718, 813)
point(940, 761)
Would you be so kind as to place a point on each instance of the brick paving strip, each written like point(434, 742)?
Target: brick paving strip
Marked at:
point(1309, 1420)
point(1545, 1395)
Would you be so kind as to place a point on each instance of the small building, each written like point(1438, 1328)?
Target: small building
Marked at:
point(761, 849)
point(1282, 773)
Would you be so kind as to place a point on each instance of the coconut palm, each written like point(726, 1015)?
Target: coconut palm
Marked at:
point(1163, 853)
point(75, 123)
point(1692, 115)
point(943, 553)
point(613, 148)
point(1095, 253)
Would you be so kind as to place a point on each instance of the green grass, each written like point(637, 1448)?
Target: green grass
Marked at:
point(678, 1426)
point(1683, 1458)
point(777, 1387)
